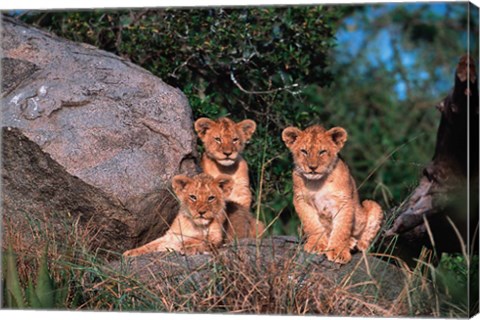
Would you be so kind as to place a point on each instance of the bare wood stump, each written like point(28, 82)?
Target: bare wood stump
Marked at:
point(447, 195)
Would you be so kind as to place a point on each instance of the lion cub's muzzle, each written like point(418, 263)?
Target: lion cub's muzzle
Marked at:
point(203, 216)
point(311, 172)
point(227, 158)
point(313, 175)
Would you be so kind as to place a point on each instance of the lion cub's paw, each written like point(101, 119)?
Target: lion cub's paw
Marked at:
point(339, 256)
point(313, 245)
point(363, 245)
point(129, 253)
point(192, 251)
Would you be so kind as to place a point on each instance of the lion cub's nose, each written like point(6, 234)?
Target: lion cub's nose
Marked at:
point(312, 167)
point(202, 212)
point(227, 153)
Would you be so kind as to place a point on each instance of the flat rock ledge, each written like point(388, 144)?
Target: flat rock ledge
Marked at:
point(264, 273)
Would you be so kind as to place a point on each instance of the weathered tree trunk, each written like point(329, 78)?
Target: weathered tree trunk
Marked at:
point(447, 193)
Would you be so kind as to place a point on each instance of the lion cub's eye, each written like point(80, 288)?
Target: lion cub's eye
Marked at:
point(192, 197)
point(211, 198)
point(235, 140)
point(217, 139)
point(304, 152)
point(322, 152)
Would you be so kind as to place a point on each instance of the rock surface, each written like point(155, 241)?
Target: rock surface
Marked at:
point(38, 193)
point(366, 282)
point(105, 120)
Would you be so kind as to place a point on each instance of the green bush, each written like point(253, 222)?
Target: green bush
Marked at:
point(457, 279)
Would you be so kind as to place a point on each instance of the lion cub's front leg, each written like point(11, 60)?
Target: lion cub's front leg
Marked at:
point(165, 243)
point(192, 247)
point(172, 240)
point(339, 242)
point(315, 232)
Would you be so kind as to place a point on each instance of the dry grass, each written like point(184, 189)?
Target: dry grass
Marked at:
point(250, 279)
point(243, 283)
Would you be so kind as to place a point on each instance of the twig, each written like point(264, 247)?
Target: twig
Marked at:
point(235, 81)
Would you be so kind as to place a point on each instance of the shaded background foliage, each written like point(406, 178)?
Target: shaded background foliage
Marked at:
point(376, 70)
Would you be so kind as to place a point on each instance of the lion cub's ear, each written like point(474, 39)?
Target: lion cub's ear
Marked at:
point(338, 135)
point(179, 183)
point(248, 127)
point(290, 135)
point(202, 125)
point(225, 183)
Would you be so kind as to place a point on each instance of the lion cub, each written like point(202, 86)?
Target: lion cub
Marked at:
point(224, 141)
point(325, 195)
point(203, 220)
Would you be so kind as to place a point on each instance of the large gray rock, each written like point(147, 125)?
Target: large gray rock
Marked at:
point(105, 120)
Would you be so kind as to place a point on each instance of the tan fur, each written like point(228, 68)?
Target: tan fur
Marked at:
point(204, 220)
point(240, 223)
point(224, 141)
point(325, 195)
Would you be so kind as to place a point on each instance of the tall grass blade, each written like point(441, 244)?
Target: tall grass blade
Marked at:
point(61, 297)
point(14, 291)
point(45, 289)
point(32, 298)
